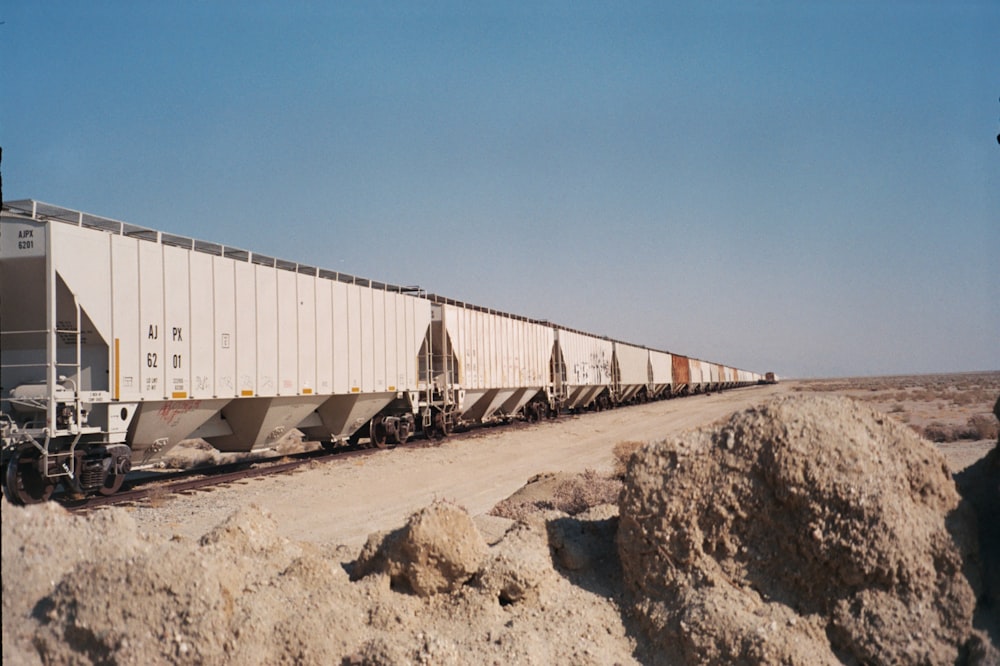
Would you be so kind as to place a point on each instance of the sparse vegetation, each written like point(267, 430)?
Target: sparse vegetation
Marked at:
point(937, 407)
point(622, 453)
point(985, 426)
point(518, 510)
point(585, 491)
point(571, 495)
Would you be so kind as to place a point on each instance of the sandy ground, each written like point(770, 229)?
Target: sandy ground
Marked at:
point(342, 502)
point(271, 553)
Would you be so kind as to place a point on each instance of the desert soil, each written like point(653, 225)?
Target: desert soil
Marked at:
point(272, 556)
point(343, 503)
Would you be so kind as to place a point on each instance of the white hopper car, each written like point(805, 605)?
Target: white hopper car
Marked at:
point(117, 342)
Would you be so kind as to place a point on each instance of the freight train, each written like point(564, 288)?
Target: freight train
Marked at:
point(118, 341)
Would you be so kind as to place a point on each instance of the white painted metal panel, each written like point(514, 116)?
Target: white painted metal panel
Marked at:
point(367, 345)
point(391, 341)
point(418, 321)
point(246, 328)
point(543, 340)
point(267, 330)
point(177, 313)
point(633, 364)
point(466, 328)
point(399, 342)
point(520, 355)
point(455, 324)
point(287, 331)
point(587, 358)
point(82, 258)
point(307, 365)
point(202, 326)
point(324, 336)
point(495, 350)
point(695, 366)
point(355, 333)
point(407, 357)
point(152, 327)
point(126, 370)
point(378, 351)
point(662, 367)
point(346, 366)
point(713, 372)
point(474, 350)
point(507, 354)
point(82, 263)
point(703, 375)
point(224, 330)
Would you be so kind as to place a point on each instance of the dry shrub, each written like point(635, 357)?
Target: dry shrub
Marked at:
point(518, 510)
point(572, 496)
point(973, 395)
point(985, 426)
point(980, 426)
point(623, 453)
point(586, 490)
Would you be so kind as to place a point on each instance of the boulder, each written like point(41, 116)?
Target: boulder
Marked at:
point(438, 550)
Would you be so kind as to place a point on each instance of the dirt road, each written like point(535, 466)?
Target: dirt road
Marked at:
point(342, 502)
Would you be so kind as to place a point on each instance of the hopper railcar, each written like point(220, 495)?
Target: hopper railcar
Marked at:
point(117, 342)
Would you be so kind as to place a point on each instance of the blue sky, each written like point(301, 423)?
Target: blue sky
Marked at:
point(806, 187)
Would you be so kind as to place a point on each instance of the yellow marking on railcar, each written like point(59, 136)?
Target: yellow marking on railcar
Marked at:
point(179, 394)
point(245, 393)
point(307, 391)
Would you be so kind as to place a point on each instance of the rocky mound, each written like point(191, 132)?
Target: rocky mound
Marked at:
point(809, 530)
point(40, 546)
point(88, 591)
point(438, 550)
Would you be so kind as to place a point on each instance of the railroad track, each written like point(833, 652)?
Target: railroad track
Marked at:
point(205, 478)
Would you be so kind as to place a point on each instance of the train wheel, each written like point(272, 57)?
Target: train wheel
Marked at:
point(25, 484)
point(379, 434)
point(404, 429)
point(112, 484)
point(441, 427)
